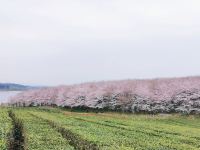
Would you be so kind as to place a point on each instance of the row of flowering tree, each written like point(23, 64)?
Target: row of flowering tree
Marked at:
point(87, 93)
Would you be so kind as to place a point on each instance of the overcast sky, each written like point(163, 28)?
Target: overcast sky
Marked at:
point(53, 42)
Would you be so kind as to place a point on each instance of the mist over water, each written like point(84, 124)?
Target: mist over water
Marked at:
point(5, 95)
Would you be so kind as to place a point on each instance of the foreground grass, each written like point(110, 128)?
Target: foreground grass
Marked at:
point(5, 129)
point(40, 135)
point(115, 131)
point(56, 129)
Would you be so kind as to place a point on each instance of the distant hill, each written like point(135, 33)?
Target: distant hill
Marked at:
point(14, 87)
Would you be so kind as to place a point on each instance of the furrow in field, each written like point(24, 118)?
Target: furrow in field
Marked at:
point(134, 122)
point(74, 139)
point(115, 136)
point(146, 131)
point(40, 135)
point(18, 133)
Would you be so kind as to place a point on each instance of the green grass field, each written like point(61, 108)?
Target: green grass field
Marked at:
point(56, 129)
point(5, 129)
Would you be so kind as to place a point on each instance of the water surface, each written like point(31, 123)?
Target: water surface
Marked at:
point(5, 95)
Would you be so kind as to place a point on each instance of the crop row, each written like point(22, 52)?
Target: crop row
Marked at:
point(129, 132)
point(74, 139)
point(17, 142)
point(50, 129)
point(5, 129)
point(40, 135)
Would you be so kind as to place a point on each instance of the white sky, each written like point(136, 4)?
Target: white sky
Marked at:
point(51, 42)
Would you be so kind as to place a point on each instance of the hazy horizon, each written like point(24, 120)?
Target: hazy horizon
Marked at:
point(67, 42)
point(98, 81)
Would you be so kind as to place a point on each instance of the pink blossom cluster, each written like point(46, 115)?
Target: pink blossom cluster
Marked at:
point(155, 89)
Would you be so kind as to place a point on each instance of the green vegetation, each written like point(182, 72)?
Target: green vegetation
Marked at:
point(115, 131)
point(53, 128)
point(40, 135)
point(5, 129)
point(18, 133)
